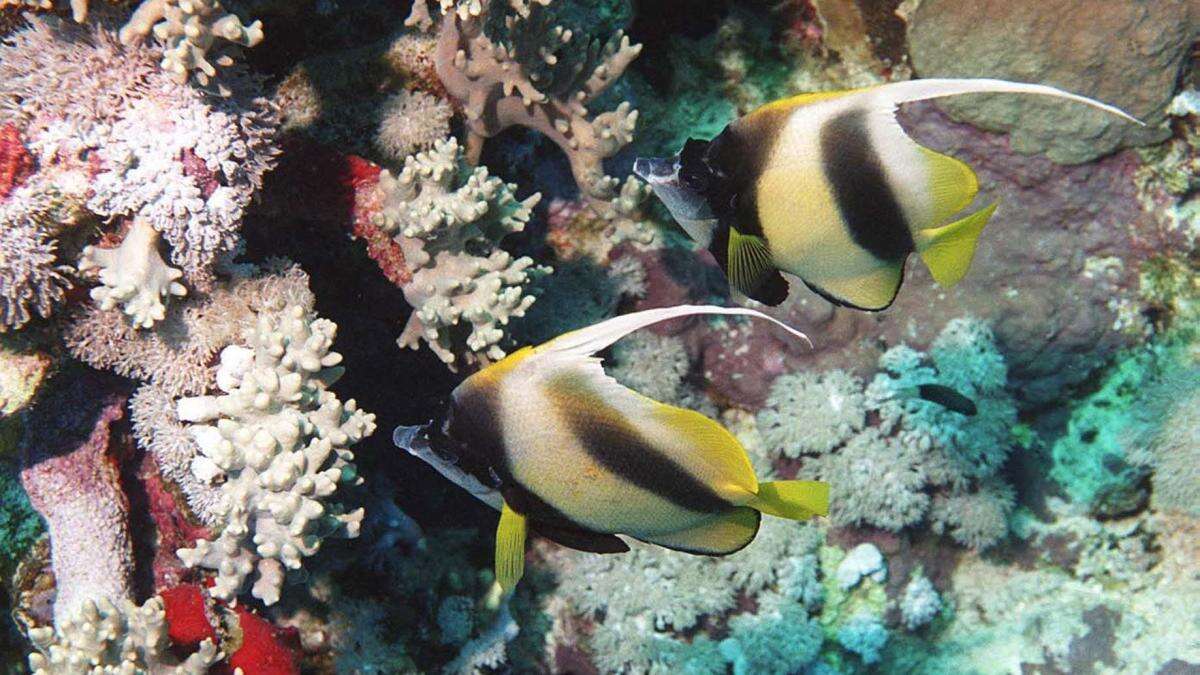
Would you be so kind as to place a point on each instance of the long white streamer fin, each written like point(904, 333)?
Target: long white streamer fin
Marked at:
point(589, 340)
point(921, 90)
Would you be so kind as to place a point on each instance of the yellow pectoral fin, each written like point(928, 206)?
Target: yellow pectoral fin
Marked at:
point(794, 499)
point(948, 250)
point(510, 548)
point(751, 267)
point(952, 184)
point(722, 535)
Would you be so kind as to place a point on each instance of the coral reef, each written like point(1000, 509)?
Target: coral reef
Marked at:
point(194, 508)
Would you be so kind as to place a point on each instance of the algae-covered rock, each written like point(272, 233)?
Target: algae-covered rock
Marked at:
point(1122, 52)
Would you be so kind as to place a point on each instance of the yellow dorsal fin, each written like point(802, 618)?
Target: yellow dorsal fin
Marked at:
point(722, 535)
point(510, 548)
point(750, 261)
point(794, 499)
point(800, 100)
point(948, 250)
point(715, 446)
point(952, 184)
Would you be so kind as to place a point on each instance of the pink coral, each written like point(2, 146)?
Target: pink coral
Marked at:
point(70, 471)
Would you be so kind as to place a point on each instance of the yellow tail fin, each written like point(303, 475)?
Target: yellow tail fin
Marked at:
point(948, 250)
point(794, 499)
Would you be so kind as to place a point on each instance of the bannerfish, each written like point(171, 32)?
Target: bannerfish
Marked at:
point(560, 448)
point(829, 187)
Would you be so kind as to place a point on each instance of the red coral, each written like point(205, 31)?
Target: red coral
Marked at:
point(16, 164)
point(173, 529)
point(266, 649)
point(361, 177)
point(189, 621)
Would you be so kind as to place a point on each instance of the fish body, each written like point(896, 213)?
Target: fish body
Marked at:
point(828, 187)
point(580, 458)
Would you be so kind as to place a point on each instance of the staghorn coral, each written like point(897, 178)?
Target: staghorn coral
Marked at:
point(448, 220)
point(411, 121)
point(277, 442)
point(534, 79)
point(104, 637)
point(134, 276)
point(189, 29)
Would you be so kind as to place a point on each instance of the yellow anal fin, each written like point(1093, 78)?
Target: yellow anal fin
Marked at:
point(948, 250)
point(794, 499)
point(952, 184)
point(510, 548)
point(872, 291)
point(750, 262)
point(712, 444)
point(722, 535)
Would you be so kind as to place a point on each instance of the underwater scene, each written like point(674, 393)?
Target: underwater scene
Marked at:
point(743, 337)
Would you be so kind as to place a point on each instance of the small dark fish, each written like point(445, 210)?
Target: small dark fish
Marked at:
point(948, 398)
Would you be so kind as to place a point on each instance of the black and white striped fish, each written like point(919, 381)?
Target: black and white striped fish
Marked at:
point(558, 446)
point(830, 188)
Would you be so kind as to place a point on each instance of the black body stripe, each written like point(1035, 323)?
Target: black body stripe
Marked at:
point(619, 448)
point(864, 198)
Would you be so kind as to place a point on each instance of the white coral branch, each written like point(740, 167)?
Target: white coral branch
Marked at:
point(134, 276)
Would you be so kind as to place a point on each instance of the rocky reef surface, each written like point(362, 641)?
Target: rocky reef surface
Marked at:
point(237, 237)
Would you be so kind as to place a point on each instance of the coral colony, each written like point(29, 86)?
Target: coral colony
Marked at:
point(221, 222)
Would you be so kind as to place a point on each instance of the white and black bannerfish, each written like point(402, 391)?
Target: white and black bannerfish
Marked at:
point(561, 448)
point(830, 188)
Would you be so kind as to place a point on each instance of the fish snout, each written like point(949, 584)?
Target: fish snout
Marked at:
point(656, 169)
point(411, 438)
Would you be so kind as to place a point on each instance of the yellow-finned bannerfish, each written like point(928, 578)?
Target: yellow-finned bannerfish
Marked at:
point(559, 447)
point(828, 187)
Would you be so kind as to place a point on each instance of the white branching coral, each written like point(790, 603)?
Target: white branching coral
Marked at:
point(103, 638)
point(189, 29)
point(536, 78)
point(134, 276)
point(412, 121)
point(277, 441)
point(448, 220)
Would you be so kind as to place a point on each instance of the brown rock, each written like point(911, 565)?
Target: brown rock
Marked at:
point(1124, 52)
